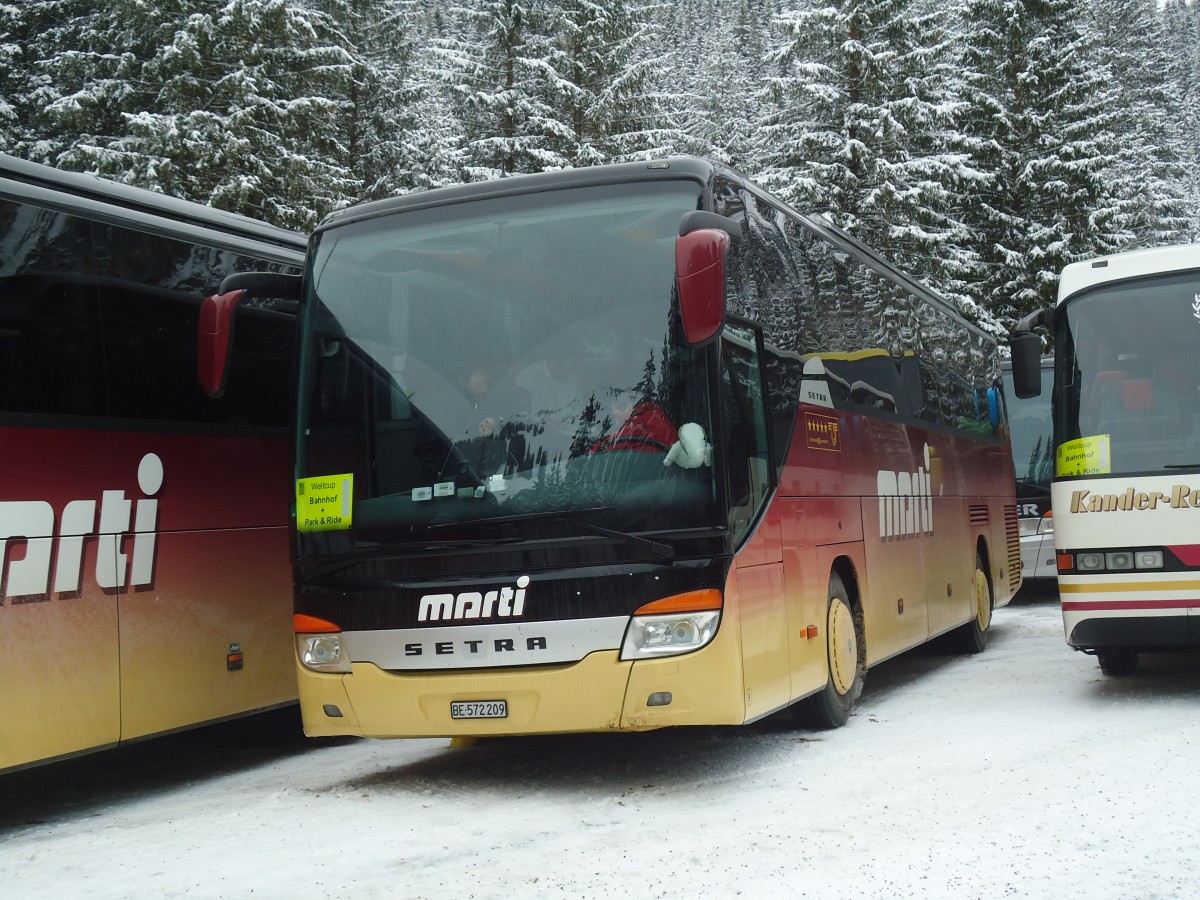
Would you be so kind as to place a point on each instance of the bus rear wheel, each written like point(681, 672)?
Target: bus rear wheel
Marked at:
point(1118, 661)
point(831, 706)
point(973, 637)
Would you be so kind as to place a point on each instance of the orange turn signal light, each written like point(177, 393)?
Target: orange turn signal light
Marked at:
point(692, 601)
point(302, 624)
point(1066, 562)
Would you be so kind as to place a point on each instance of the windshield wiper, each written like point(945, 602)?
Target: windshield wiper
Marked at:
point(520, 517)
point(572, 518)
point(324, 568)
point(655, 547)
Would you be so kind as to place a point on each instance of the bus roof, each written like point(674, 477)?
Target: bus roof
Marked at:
point(1123, 266)
point(696, 168)
point(617, 173)
point(23, 179)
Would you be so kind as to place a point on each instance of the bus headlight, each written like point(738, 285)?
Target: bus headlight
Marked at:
point(319, 644)
point(672, 625)
point(668, 635)
point(1118, 561)
point(322, 652)
point(1148, 559)
point(1112, 560)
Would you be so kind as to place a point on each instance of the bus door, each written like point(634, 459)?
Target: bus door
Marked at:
point(895, 531)
point(949, 559)
point(761, 589)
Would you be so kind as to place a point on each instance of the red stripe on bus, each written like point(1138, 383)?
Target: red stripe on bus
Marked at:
point(1189, 554)
point(1131, 604)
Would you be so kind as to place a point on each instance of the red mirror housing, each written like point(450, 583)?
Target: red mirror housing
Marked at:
point(700, 276)
point(214, 339)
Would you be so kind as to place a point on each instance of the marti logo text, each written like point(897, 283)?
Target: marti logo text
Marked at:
point(503, 603)
point(60, 550)
point(905, 501)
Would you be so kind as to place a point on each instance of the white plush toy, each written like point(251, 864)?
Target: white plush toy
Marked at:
point(692, 450)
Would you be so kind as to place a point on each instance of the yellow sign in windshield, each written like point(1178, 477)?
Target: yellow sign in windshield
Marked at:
point(324, 503)
point(1084, 456)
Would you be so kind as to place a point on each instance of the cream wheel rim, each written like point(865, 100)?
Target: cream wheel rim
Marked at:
point(843, 646)
point(983, 601)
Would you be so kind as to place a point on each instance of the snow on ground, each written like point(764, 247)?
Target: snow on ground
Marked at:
point(1022, 772)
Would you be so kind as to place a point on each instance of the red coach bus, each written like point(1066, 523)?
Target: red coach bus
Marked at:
point(143, 526)
point(628, 447)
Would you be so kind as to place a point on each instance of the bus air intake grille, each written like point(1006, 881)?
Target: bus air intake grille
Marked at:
point(978, 514)
point(1012, 534)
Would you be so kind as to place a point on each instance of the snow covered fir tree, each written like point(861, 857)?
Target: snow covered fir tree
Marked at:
point(982, 144)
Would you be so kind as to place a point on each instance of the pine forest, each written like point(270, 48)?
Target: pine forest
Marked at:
point(980, 144)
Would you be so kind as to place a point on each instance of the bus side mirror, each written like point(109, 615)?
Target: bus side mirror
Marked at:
point(1026, 364)
point(263, 284)
point(214, 338)
point(700, 276)
point(993, 407)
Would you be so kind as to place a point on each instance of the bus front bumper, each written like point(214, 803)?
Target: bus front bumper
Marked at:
point(1135, 610)
point(1145, 631)
point(598, 693)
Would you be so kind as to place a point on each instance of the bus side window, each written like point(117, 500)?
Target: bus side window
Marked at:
point(51, 358)
point(745, 444)
point(149, 338)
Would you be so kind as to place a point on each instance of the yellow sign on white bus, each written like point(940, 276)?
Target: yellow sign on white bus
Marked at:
point(324, 503)
point(1084, 456)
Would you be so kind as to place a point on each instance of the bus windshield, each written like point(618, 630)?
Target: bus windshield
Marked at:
point(1131, 374)
point(517, 356)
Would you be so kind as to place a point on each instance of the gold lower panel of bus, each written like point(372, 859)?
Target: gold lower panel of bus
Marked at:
point(599, 693)
point(95, 668)
point(59, 677)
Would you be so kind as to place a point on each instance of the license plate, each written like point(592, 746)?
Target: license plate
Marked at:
point(479, 709)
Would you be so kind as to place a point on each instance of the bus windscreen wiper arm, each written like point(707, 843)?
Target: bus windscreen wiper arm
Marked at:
point(658, 549)
point(655, 547)
point(334, 565)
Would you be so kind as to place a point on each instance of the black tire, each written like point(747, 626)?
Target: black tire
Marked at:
point(1117, 661)
point(846, 655)
point(972, 637)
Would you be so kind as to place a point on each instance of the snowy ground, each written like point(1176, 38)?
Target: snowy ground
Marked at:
point(1022, 772)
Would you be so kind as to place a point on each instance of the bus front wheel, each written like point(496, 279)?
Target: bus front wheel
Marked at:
point(1117, 660)
point(831, 706)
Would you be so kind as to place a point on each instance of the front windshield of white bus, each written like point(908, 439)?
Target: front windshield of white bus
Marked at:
point(513, 357)
point(1129, 358)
